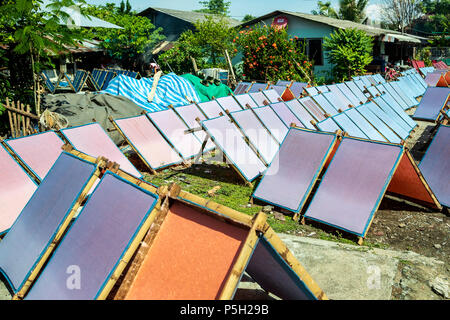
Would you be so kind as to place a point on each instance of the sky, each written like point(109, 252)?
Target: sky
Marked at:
point(240, 8)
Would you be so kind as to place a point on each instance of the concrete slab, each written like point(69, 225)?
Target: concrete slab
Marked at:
point(348, 272)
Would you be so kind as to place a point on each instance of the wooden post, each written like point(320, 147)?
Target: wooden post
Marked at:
point(11, 123)
point(230, 65)
point(238, 269)
point(151, 95)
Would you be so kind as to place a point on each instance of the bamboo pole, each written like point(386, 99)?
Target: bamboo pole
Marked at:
point(241, 263)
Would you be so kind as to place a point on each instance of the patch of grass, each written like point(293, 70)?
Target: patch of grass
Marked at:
point(406, 262)
point(335, 238)
point(233, 193)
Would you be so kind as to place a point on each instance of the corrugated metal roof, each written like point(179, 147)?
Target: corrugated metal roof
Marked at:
point(191, 16)
point(87, 21)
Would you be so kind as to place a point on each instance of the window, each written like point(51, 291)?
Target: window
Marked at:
point(315, 51)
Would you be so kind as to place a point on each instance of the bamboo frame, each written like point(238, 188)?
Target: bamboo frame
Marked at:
point(114, 167)
point(436, 203)
point(244, 256)
point(21, 162)
point(405, 152)
point(100, 162)
point(256, 225)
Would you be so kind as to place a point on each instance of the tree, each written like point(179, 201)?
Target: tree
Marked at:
point(32, 33)
point(434, 21)
point(215, 7)
point(350, 50)
point(325, 9)
point(353, 10)
point(128, 44)
point(400, 14)
point(207, 45)
point(248, 17)
point(269, 54)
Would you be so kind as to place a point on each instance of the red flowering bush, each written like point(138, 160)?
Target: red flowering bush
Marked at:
point(269, 55)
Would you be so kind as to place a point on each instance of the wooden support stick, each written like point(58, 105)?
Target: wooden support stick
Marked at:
point(360, 241)
point(242, 260)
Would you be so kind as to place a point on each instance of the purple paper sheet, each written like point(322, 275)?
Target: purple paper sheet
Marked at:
point(337, 98)
point(432, 79)
point(325, 105)
point(286, 115)
point(434, 99)
point(257, 133)
point(232, 143)
point(96, 242)
point(435, 165)
point(38, 151)
point(242, 87)
point(148, 142)
point(328, 125)
point(364, 125)
point(312, 91)
point(356, 91)
point(246, 101)
point(279, 89)
point(211, 109)
point(259, 98)
point(272, 122)
point(257, 87)
point(313, 108)
point(35, 228)
point(353, 185)
point(336, 101)
point(94, 141)
point(299, 110)
point(284, 83)
point(274, 275)
point(388, 89)
point(346, 92)
point(297, 88)
point(272, 95)
point(229, 103)
point(174, 129)
point(294, 170)
point(16, 188)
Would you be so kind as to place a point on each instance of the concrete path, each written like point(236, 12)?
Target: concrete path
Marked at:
point(348, 272)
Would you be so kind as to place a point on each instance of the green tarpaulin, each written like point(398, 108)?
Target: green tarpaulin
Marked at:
point(206, 93)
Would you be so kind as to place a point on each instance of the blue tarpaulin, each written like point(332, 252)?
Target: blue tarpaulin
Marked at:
point(171, 90)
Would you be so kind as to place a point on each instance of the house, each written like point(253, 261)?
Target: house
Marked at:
point(389, 45)
point(175, 22)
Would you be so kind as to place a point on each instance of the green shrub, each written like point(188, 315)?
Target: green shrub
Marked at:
point(350, 50)
point(424, 54)
point(269, 55)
